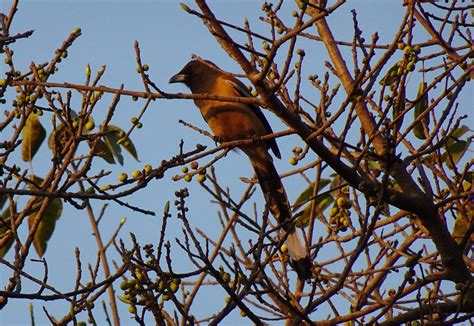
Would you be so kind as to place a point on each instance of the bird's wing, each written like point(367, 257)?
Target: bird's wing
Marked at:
point(243, 92)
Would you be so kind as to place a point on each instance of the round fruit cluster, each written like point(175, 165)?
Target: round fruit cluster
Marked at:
point(339, 215)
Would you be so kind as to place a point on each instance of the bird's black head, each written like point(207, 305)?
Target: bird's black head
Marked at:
point(193, 72)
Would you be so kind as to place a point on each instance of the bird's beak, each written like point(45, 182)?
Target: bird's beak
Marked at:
point(178, 78)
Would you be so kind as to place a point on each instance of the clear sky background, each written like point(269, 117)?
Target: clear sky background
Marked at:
point(168, 36)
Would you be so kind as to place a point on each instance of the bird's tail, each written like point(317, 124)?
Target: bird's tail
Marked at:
point(277, 201)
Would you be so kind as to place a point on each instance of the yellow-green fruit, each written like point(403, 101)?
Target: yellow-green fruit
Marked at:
point(293, 160)
point(105, 188)
point(227, 299)
point(226, 277)
point(2, 82)
point(201, 178)
point(188, 178)
point(184, 169)
point(333, 212)
point(139, 125)
point(298, 150)
point(134, 120)
point(8, 60)
point(166, 297)
point(90, 125)
point(242, 313)
point(132, 309)
point(147, 168)
point(136, 174)
point(146, 67)
point(284, 248)
point(134, 98)
point(64, 55)
point(122, 177)
point(341, 201)
point(124, 285)
point(174, 287)
point(401, 45)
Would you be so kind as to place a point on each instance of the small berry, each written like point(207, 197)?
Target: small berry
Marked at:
point(188, 178)
point(201, 178)
point(174, 286)
point(147, 168)
point(134, 98)
point(122, 177)
point(298, 150)
point(90, 125)
point(139, 125)
point(184, 169)
point(334, 211)
point(284, 248)
point(146, 67)
point(293, 160)
point(136, 174)
point(134, 120)
point(194, 165)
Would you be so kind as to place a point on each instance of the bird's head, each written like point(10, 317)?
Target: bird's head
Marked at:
point(194, 73)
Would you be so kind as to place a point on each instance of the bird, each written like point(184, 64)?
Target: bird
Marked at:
point(238, 121)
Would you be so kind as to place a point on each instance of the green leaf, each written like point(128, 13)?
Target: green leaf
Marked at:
point(322, 202)
point(462, 223)
point(392, 75)
point(455, 147)
point(306, 195)
point(420, 130)
point(110, 141)
point(48, 220)
point(103, 151)
point(33, 136)
point(4, 229)
point(3, 199)
point(115, 140)
point(458, 133)
point(130, 147)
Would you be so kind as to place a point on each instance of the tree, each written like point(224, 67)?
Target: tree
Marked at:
point(385, 186)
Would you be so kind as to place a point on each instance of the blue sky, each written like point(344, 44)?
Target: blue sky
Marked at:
point(168, 36)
